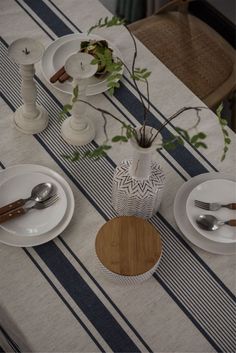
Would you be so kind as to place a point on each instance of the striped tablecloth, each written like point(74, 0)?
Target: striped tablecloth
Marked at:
point(53, 297)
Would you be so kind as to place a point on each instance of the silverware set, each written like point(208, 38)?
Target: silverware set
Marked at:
point(43, 195)
point(210, 222)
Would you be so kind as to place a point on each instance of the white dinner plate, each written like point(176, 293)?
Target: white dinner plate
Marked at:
point(34, 222)
point(218, 190)
point(26, 241)
point(60, 50)
point(184, 224)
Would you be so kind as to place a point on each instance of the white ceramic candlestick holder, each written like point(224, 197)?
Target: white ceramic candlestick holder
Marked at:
point(78, 130)
point(30, 118)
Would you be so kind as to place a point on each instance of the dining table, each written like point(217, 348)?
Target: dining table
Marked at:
point(54, 297)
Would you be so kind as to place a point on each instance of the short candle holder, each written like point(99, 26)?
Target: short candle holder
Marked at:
point(30, 118)
point(78, 130)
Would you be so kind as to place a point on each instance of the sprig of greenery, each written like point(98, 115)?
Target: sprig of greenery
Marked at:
point(195, 140)
point(106, 22)
point(223, 124)
point(98, 152)
point(141, 74)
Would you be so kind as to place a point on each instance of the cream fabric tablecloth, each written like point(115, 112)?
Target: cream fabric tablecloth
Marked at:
point(53, 297)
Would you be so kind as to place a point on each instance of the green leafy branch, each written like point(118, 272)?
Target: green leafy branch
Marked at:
point(134, 73)
point(223, 124)
point(106, 22)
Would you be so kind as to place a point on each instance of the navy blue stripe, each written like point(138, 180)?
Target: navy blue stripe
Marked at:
point(56, 7)
point(104, 293)
point(50, 36)
point(47, 16)
point(84, 297)
point(130, 102)
point(63, 299)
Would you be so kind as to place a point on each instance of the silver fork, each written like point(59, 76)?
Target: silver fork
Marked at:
point(23, 210)
point(213, 206)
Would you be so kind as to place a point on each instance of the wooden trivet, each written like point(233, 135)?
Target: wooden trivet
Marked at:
point(128, 248)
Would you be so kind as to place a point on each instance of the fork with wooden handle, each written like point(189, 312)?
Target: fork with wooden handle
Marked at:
point(213, 206)
point(23, 210)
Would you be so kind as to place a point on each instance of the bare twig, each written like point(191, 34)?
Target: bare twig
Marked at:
point(175, 116)
point(102, 111)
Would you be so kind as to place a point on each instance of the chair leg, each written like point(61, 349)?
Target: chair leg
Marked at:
point(232, 102)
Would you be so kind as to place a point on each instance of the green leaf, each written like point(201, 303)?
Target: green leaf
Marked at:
point(66, 108)
point(227, 141)
point(119, 139)
point(106, 147)
point(202, 135)
point(200, 144)
point(180, 140)
point(223, 122)
point(226, 149)
point(194, 139)
point(76, 91)
point(111, 91)
point(219, 110)
point(183, 133)
point(170, 146)
point(94, 61)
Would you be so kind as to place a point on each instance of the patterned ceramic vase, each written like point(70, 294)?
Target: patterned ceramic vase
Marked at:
point(138, 183)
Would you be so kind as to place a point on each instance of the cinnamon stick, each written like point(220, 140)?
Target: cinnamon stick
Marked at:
point(58, 74)
point(64, 77)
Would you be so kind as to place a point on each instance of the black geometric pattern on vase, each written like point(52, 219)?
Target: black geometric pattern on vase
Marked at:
point(137, 197)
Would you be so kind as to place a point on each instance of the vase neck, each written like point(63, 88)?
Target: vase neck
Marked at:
point(141, 163)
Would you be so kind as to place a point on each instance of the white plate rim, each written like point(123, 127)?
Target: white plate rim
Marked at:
point(2, 185)
point(184, 224)
point(25, 241)
point(208, 235)
point(53, 46)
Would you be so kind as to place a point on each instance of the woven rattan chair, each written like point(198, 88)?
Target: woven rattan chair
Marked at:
point(193, 51)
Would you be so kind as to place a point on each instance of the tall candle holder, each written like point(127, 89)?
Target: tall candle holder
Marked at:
point(78, 130)
point(30, 118)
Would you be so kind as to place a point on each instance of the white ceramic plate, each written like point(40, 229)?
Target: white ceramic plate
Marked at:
point(60, 50)
point(34, 222)
point(184, 224)
point(221, 191)
point(26, 241)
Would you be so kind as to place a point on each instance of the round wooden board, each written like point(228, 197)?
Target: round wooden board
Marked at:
point(128, 245)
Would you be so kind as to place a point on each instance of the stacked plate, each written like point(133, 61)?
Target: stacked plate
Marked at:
point(60, 50)
point(36, 226)
point(209, 187)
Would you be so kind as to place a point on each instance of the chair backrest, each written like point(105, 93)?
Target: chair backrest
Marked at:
point(173, 5)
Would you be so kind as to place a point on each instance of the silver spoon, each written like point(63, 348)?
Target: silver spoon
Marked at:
point(209, 222)
point(39, 193)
